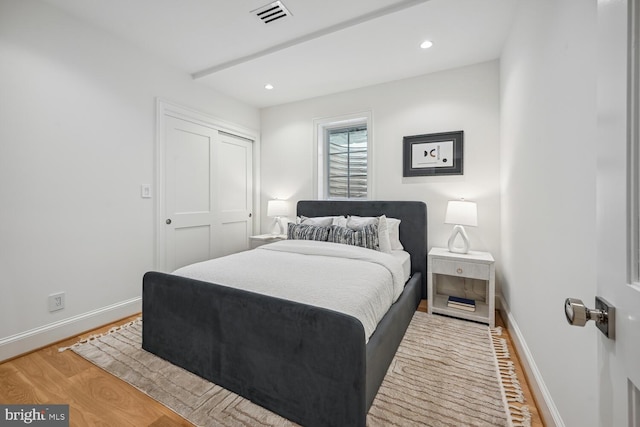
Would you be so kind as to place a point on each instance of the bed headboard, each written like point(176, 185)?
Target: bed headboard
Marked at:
point(413, 225)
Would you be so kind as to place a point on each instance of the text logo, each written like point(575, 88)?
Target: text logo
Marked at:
point(34, 415)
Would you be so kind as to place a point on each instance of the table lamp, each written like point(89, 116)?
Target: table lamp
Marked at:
point(277, 208)
point(460, 213)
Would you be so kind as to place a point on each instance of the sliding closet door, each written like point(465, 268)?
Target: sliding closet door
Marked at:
point(207, 193)
point(189, 193)
point(235, 191)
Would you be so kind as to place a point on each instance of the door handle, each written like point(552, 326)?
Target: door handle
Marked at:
point(578, 314)
point(168, 221)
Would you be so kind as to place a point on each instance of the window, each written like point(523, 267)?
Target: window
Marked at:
point(343, 162)
point(347, 162)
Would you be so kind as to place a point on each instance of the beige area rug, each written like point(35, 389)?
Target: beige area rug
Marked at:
point(446, 372)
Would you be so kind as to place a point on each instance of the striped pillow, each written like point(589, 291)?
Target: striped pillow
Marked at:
point(307, 232)
point(367, 237)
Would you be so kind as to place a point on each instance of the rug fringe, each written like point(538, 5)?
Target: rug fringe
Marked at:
point(96, 336)
point(520, 415)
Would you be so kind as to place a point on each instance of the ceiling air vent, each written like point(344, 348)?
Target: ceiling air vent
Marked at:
point(271, 12)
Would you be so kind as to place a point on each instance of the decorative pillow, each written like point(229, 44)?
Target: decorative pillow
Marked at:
point(358, 222)
point(322, 221)
point(383, 235)
point(339, 220)
point(307, 232)
point(366, 238)
point(393, 225)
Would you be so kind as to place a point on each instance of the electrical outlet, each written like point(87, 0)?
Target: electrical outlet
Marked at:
point(56, 301)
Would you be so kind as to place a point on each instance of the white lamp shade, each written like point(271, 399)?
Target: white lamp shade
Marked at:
point(277, 208)
point(461, 212)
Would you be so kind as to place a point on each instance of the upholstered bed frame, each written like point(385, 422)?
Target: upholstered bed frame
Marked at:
point(308, 364)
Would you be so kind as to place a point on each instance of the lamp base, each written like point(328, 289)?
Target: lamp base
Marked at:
point(278, 227)
point(458, 230)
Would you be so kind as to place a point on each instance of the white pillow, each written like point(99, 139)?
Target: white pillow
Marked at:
point(393, 225)
point(322, 221)
point(340, 220)
point(383, 235)
point(359, 222)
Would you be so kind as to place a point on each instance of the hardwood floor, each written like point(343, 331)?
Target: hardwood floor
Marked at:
point(97, 398)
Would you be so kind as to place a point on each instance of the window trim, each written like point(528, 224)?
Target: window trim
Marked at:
point(320, 128)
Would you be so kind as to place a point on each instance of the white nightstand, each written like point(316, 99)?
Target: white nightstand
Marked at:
point(263, 239)
point(476, 268)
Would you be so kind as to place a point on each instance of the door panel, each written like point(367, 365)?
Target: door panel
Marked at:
point(189, 196)
point(234, 181)
point(192, 244)
point(191, 161)
point(618, 360)
point(235, 166)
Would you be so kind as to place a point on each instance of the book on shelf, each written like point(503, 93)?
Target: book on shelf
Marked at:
point(460, 300)
point(461, 303)
point(461, 306)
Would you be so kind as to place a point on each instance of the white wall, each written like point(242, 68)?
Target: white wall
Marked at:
point(548, 97)
point(462, 99)
point(77, 129)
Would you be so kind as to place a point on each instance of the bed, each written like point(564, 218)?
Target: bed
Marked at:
point(309, 364)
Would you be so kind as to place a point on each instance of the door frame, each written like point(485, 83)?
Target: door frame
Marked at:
point(165, 108)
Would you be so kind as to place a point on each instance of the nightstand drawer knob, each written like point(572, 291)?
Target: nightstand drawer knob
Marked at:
point(459, 270)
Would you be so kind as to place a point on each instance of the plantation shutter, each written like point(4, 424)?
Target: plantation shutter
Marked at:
point(347, 162)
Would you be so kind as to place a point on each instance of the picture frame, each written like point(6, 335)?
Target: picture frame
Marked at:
point(433, 154)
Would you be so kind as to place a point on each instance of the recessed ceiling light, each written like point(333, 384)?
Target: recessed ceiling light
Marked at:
point(268, 86)
point(426, 44)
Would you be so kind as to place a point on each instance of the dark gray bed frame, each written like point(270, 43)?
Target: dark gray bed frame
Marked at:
point(305, 363)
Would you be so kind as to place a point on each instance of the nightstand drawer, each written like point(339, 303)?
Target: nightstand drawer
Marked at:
point(460, 268)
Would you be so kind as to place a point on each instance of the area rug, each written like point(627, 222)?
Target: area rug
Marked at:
point(446, 372)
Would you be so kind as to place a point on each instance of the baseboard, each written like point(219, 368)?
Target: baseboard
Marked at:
point(547, 408)
point(33, 339)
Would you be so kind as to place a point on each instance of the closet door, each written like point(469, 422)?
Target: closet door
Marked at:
point(207, 193)
point(190, 219)
point(235, 190)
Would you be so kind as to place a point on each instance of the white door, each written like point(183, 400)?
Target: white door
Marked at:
point(617, 192)
point(189, 193)
point(207, 194)
point(235, 191)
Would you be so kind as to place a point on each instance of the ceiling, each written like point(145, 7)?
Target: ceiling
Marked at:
point(325, 46)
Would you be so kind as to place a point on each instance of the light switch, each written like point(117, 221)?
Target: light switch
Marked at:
point(145, 191)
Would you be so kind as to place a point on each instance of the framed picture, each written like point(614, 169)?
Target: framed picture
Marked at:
point(433, 154)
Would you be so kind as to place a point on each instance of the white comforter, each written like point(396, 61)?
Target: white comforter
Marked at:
point(359, 282)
